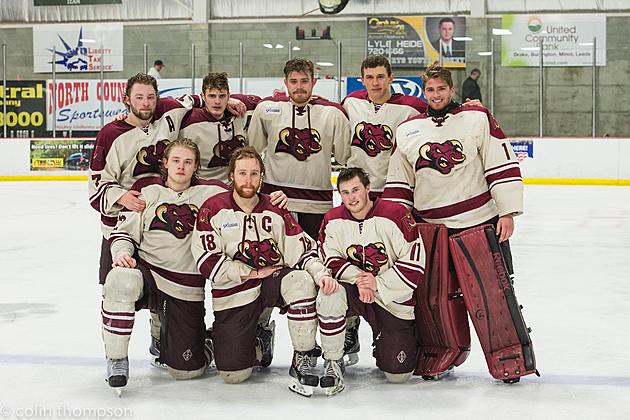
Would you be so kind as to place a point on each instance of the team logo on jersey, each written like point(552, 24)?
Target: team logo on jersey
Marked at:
point(440, 156)
point(258, 254)
point(369, 258)
point(149, 158)
point(299, 142)
point(177, 219)
point(372, 138)
point(222, 151)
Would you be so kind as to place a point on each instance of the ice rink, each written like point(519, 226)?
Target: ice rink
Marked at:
point(572, 261)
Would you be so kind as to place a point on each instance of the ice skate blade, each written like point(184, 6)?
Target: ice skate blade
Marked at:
point(156, 363)
point(439, 376)
point(334, 390)
point(351, 359)
point(298, 388)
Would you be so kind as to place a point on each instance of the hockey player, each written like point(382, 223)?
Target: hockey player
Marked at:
point(297, 134)
point(454, 166)
point(257, 256)
point(165, 276)
point(216, 130)
point(129, 149)
point(374, 249)
point(153, 262)
point(374, 114)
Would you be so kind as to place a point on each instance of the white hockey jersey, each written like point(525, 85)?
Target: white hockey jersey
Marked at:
point(458, 170)
point(297, 143)
point(386, 244)
point(162, 234)
point(374, 130)
point(218, 138)
point(124, 153)
point(228, 243)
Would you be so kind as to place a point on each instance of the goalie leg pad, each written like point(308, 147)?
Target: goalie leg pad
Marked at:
point(441, 318)
point(491, 303)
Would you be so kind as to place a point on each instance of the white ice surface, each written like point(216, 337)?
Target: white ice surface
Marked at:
point(572, 260)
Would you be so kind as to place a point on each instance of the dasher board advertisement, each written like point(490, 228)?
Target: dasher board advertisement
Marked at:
point(567, 40)
point(414, 41)
point(78, 48)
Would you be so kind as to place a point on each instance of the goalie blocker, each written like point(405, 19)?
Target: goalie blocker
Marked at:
point(441, 318)
point(492, 305)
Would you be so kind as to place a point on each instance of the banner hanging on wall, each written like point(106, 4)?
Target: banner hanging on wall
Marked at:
point(78, 48)
point(567, 40)
point(414, 41)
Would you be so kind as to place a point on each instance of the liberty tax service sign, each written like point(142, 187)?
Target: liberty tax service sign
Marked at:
point(561, 36)
point(78, 47)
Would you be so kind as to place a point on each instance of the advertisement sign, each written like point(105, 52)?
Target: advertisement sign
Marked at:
point(79, 103)
point(54, 155)
point(79, 48)
point(26, 108)
point(414, 41)
point(567, 40)
point(408, 85)
point(523, 149)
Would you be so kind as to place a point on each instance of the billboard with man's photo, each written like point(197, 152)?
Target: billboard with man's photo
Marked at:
point(417, 41)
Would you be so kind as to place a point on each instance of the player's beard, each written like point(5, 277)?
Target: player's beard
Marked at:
point(142, 115)
point(300, 96)
point(245, 191)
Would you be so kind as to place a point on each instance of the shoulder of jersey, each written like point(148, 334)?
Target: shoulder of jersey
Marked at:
point(357, 94)
point(408, 100)
point(327, 103)
point(212, 182)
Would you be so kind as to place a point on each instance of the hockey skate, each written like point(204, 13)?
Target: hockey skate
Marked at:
point(264, 343)
point(154, 350)
point(117, 373)
point(351, 345)
point(332, 380)
point(302, 378)
point(438, 376)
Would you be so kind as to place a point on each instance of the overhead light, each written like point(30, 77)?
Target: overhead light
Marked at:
point(462, 38)
point(530, 48)
point(279, 46)
point(267, 45)
point(296, 48)
point(498, 31)
point(87, 40)
point(585, 44)
point(324, 64)
point(485, 53)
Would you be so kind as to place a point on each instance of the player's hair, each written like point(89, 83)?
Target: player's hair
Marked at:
point(446, 19)
point(301, 65)
point(246, 152)
point(217, 81)
point(186, 144)
point(435, 71)
point(347, 174)
point(142, 79)
point(376, 60)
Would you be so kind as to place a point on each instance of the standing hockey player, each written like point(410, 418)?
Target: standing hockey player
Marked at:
point(215, 129)
point(454, 166)
point(375, 251)
point(374, 114)
point(257, 256)
point(297, 134)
